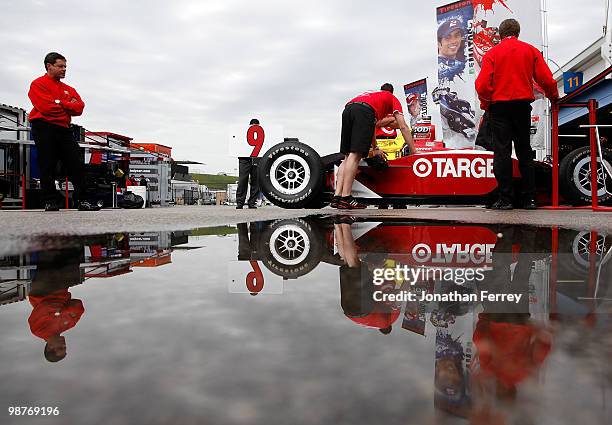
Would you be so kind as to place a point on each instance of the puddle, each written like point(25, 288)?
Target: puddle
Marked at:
point(311, 321)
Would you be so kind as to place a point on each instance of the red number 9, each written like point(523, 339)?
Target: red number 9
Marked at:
point(255, 279)
point(255, 138)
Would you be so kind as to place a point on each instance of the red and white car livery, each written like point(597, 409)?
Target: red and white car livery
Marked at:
point(293, 175)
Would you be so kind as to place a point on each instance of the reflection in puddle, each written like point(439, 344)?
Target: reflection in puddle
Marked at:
point(278, 316)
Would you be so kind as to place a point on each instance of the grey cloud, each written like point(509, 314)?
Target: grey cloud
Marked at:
point(180, 73)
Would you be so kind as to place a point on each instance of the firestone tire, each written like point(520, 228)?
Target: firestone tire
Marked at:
point(575, 252)
point(575, 177)
point(291, 175)
point(291, 248)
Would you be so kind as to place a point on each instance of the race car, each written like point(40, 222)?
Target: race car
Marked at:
point(293, 175)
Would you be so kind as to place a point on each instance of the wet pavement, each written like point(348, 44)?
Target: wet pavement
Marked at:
point(18, 224)
point(316, 320)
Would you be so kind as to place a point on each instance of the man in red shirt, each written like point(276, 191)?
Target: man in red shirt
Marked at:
point(359, 121)
point(55, 103)
point(505, 89)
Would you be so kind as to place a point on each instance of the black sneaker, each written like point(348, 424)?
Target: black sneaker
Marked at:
point(88, 206)
point(51, 206)
point(334, 202)
point(239, 207)
point(350, 203)
point(252, 207)
point(502, 205)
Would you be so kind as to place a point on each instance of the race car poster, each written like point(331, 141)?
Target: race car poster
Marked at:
point(488, 15)
point(416, 100)
point(455, 93)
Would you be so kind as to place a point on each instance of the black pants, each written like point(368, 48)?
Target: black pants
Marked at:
point(55, 143)
point(485, 137)
point(247, 167)
point(511, 122)
point(511, 272)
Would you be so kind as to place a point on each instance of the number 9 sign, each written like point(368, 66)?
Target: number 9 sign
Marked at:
point(256, 137)
point(253, 140)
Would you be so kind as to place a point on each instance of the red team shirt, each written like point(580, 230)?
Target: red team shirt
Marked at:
point(54, 314)
point(509, 71)
point(43, 93)
point(383, 102)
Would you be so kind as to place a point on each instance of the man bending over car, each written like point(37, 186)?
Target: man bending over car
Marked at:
point(360, 118)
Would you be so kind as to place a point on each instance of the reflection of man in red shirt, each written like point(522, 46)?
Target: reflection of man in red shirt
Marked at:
point(52, 315)
point(510, 349)
point(357, 287)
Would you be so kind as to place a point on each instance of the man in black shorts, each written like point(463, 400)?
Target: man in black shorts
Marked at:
point(359, 121)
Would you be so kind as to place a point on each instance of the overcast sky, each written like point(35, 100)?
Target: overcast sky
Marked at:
point(181, 72)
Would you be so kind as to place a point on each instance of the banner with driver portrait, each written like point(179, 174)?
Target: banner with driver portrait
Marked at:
point(467, 30)
point(455, 93)
point(416, 100)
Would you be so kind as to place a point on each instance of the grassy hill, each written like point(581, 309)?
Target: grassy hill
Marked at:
point(217, 230)
point(213, 181)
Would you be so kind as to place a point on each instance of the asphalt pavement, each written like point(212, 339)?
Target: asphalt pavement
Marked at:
point(29, 223)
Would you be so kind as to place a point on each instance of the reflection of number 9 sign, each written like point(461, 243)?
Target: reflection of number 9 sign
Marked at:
point(254, 280)
point(248, 277)
point(253, 140)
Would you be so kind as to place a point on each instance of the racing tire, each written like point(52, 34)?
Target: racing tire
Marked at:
point(575, 251)
point(575, 177)
point(291, 176)
point(291, 248)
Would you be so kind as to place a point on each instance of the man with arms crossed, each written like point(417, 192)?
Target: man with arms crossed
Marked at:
point(505, 90)
point(360, 117)
point(55, 103)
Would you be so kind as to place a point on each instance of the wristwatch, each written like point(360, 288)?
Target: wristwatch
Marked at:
point(57, 101)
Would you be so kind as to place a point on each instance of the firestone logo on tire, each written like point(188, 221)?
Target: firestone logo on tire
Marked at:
point(478, 168)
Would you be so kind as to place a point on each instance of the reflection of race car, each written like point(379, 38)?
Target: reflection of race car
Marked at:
point(292, 248)
point(458, 112)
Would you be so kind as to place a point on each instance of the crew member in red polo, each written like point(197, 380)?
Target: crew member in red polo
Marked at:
point(52, 315)
point(55, 103)
point(505, 89)
point(358, 124)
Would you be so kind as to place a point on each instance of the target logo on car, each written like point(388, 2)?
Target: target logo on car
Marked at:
point(422, 167)
point(449, 167)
